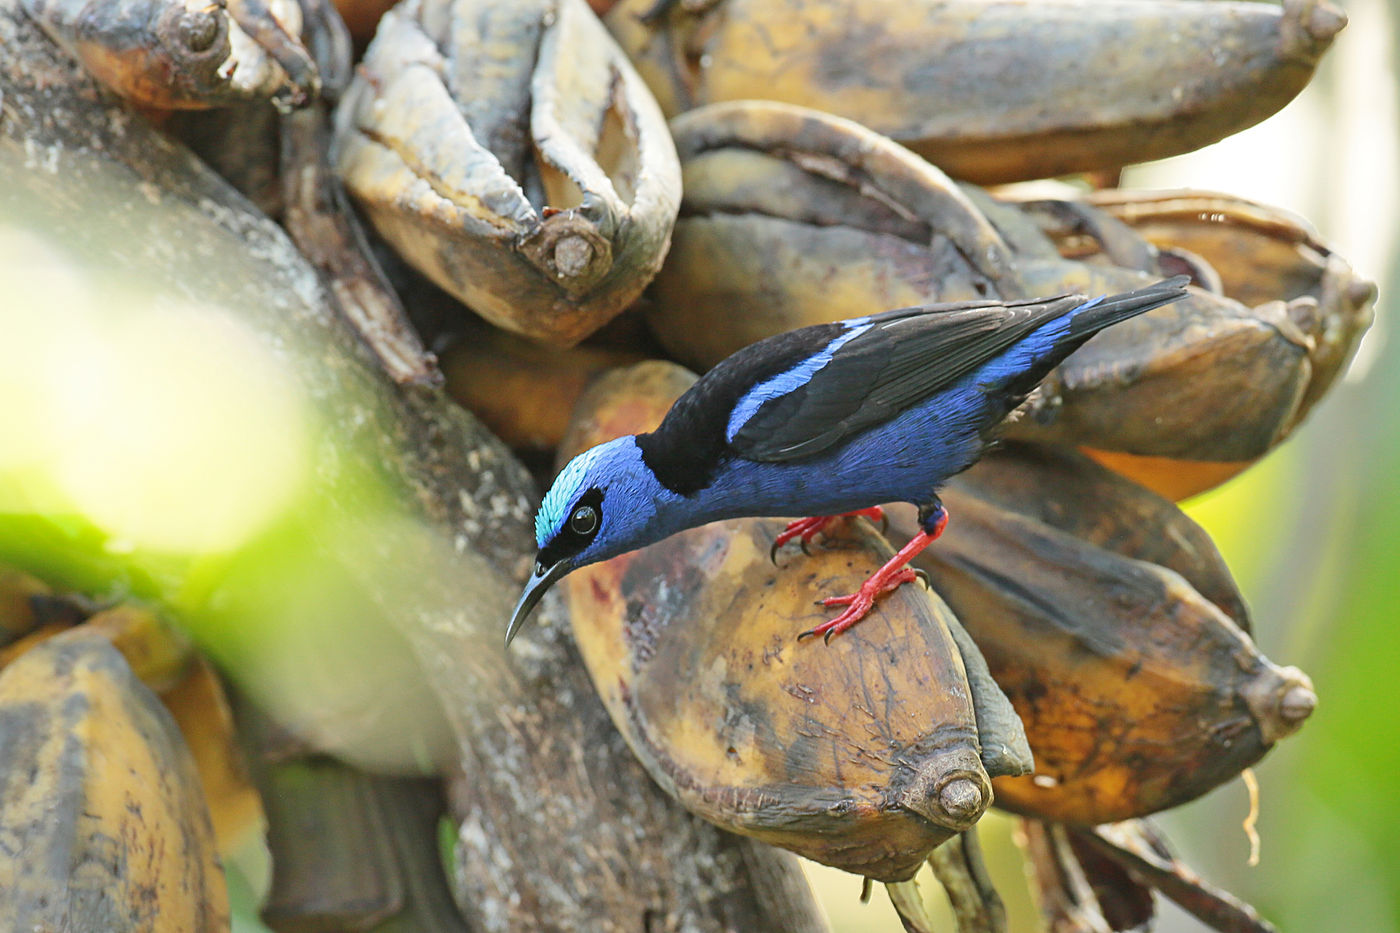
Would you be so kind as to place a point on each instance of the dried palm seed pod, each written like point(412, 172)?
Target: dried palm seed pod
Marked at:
point(1264, 258)
point(993, 90)
point(186, 54)
point(201, 710)
point(793, 217)
point(1204, 379)
point(510, 153)
point(862, 754)
point(1070, 491)
point(1262, 255)
point(156, 652)
point(1136, 692)
point(163, 659)
point(100, 806)
point(522, 391)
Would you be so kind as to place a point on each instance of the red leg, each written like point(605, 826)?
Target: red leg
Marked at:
point(892, 575)
point(809, 528)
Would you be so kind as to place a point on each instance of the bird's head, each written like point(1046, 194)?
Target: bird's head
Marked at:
point(605, 502)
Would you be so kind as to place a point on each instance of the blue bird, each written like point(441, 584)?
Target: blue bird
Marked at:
point(825, 420)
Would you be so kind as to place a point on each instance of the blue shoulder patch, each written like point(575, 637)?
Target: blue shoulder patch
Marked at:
point(553, 510)
point(785, 382)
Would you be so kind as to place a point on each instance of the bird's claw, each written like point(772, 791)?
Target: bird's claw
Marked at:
point(923, 577)
point(858, 604)
point(805, 529)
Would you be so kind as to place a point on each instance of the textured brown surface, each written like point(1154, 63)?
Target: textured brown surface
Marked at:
point(994, 91)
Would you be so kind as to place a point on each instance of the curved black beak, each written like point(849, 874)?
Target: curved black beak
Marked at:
point(540, 581)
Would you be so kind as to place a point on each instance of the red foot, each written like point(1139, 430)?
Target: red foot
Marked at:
point(891, 576)
point(809, 528)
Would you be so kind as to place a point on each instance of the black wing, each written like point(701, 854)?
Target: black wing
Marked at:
point(904, 357)
point(685, 450)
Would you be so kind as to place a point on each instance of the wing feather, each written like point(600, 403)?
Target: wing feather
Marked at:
point(902, 358)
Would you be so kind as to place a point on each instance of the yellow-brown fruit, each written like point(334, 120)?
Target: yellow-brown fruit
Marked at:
point(992, 90)
point(522, 391)
point(1263, 257)
point(154, 650)
point(17, 616)
point(201, 710)
point(104, 824)
point(1137, 693)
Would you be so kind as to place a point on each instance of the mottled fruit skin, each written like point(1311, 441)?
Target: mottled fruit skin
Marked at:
point(993, 91)
point(1136, 691)
point(105, 822)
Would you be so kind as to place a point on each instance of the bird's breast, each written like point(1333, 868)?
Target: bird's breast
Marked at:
point(904, 459)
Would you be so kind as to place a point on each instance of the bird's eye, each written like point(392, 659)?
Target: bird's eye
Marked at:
point(584, 521)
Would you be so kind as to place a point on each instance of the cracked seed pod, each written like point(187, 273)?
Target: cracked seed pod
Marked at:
point(186, 54)
point(993, 90)
point(861, 754)
point(510, 153)
point(1137, 693)
point(1264, 258)
point(100, 807)
point(1205, 379)
point(793, 217)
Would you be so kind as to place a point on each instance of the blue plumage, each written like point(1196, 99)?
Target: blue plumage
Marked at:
point(822, 420)
point(790, 379)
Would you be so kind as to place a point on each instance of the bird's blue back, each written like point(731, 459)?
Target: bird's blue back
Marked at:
point(903, 459)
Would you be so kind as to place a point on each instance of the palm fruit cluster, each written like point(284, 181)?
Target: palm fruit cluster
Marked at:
point(1081, 655)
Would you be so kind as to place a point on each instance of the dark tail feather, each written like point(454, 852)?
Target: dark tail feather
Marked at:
point(1089, 320)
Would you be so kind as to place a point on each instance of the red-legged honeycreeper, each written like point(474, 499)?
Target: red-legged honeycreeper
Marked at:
point(823, 420)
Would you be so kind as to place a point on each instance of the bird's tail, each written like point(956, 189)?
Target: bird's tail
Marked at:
point(1084, 321)
point(1093, 316)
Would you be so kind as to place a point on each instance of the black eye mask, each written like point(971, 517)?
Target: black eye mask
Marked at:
point(585, 520)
